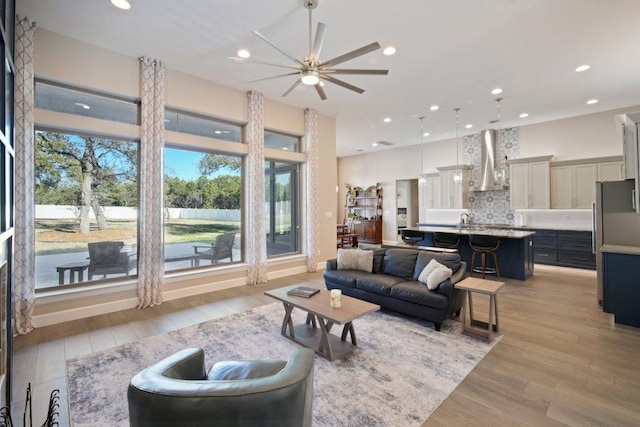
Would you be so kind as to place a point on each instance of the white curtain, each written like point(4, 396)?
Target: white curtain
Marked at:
point(24, 255)
point(311, 149)
point(150, 257)
point(256, 235)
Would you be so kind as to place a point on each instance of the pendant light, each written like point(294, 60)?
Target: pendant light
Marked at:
point(457, 174)
point(422, 177)
point(498, 174)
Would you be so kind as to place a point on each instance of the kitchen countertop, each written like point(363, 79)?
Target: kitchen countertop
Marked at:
point(497, 232)
point(620, 249)
point(521, 228)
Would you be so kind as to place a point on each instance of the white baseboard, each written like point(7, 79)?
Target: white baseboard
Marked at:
point(128, 303)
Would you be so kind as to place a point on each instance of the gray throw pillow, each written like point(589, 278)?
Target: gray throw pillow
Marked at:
point(355, 259)
point(399, 262)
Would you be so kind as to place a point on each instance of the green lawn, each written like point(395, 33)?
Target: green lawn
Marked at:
point(56, 236)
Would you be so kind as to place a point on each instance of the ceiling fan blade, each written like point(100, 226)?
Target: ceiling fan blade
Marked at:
point(321, 32)
point(272, 44)
point(273, 77)
point(235, 58)
point(342, 83)
point(292, 87)
point(354, 71)
point(320, 91)
point(351, 55)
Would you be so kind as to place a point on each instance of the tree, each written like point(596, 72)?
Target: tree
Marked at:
point(92, 165)
point(211, 163)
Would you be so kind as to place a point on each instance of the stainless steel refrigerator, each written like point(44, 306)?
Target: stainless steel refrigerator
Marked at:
point(615, 221)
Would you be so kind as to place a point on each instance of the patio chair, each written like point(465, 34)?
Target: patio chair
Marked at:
point(108, 258)
point(221, 249)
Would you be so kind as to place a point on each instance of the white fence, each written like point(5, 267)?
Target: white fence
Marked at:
point(119, 213)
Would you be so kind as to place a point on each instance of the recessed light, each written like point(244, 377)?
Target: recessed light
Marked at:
point(80, 104)
point(389, 50)
point(469, 126)
point(582, 68)
point(592, 101)
point(375, 144)
point(243, 53)
point(426, 134)
point(121, 4)
point(496, 91)
point(523, 115)
point(217, 132)
point(387, 120)
point(434, 108)
point(285, 148)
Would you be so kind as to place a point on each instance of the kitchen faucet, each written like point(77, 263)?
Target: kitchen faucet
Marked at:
point(465, 219)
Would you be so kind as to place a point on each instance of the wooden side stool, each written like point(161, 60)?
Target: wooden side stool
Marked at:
point(477, 328)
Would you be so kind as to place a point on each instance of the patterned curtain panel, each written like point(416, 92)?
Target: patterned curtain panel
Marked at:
point(150, 257)
point(24, 256)
point(256, 237)
point(311, 217)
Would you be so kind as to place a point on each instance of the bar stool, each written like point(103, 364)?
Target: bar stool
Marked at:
point(446, 240)
point(483, 245)
point(412, 237)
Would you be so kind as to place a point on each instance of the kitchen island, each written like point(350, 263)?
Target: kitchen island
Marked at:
point(515, 254)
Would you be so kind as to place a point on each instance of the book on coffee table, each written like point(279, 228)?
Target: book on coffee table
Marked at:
point(303, 291)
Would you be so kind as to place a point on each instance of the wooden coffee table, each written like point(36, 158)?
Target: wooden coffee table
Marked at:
point(318, 307)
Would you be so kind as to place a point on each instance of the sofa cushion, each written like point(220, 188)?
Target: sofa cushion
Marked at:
point(400, 262)
point(377, 283)
point(378, 257)
point(355, 259)
point(418, 293)
point(344, 277)
point(449, 260)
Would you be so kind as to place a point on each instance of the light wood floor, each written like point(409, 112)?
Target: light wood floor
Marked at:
point(561, 361)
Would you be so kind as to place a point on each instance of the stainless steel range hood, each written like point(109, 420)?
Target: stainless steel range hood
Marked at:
point(488, 164)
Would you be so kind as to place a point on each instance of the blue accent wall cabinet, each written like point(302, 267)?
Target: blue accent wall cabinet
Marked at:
point(621, 287)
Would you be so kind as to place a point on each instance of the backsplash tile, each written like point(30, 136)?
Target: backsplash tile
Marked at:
point(490, 207)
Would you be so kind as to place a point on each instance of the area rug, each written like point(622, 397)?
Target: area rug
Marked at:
point(401, 371)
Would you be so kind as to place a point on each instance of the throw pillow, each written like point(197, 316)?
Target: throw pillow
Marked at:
point(434, 274)
point(438, 276)
point(427, 270)
point(355, 259)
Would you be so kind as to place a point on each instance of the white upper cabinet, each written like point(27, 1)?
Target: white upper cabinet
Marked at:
point(529, 183)
point(454, 193)
point(428, 194)
point(573, 186)
point(611, 171)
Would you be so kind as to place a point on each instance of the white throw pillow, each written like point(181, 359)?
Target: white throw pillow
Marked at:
point(426, 271)
point(438, 276)
point(433, 274)
point(355, 259)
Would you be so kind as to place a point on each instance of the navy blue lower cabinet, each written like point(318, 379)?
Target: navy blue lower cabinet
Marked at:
point(621, 287)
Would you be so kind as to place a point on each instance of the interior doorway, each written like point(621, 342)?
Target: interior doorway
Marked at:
point(406, 203)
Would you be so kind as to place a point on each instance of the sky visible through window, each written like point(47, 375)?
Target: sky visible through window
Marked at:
point(183, 164)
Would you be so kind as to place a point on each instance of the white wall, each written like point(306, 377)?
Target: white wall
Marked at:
point(593, 135)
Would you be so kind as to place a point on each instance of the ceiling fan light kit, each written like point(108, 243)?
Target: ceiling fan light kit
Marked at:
point(310, 70)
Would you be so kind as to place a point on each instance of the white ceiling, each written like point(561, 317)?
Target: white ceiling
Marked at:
point(450, 52)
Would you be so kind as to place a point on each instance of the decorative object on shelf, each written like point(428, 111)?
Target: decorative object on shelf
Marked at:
point(422, 177)
point(363, 208)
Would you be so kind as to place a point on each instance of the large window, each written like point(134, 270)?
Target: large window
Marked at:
point(86, 208)
point(202, 198)
point(281, 207)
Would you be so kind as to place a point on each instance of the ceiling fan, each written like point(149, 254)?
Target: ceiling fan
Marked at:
point(311, 70)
